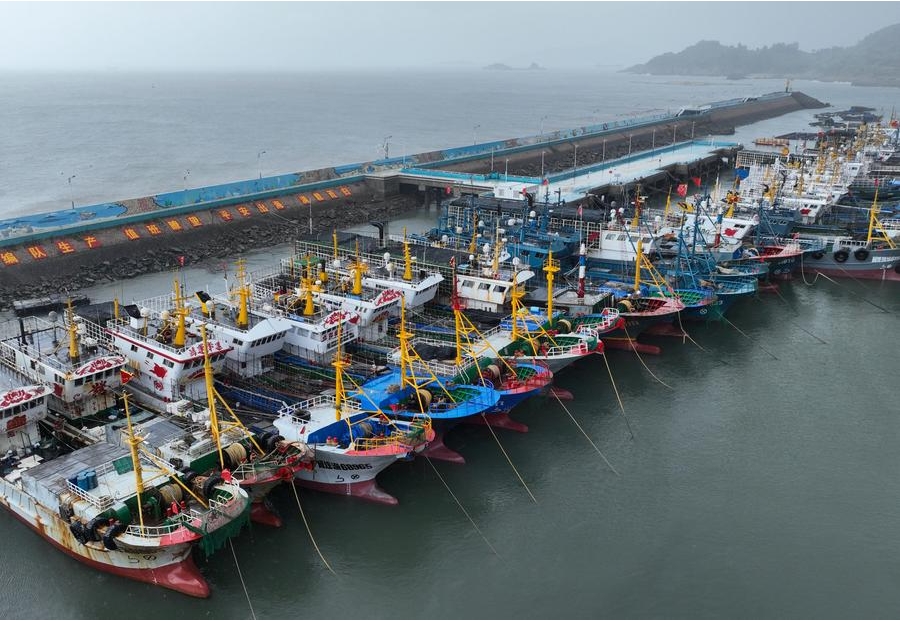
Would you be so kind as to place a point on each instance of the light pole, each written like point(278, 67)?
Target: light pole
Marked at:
point(543, 118)
point(506, 171)
point(310, 217)
point(258, 165)
point(629, 144)
point(542, 166)
point(674, 129)
point(653, 140)
point(186, 175)
point(492, 159)
point(692, 129)
point(385, 145)
point(575, 163)
point(71, 196)
point(474, 129)
point(603, 159)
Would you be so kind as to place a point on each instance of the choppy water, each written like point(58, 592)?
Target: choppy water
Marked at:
point(762, 484)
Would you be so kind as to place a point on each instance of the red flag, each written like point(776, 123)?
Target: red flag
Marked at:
point(681, 189)
point(125, 376)
point(696, 181)
point(580, 211)
point(545, 181)
point(181, 261)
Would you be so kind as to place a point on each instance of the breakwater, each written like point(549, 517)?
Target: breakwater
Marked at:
point(71, 250)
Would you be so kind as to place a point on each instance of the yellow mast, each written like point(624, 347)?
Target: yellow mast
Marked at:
point(403, 336)
point(339, 365)
point(309, 308)
point(243, 320)
point(180, 313)
point(133, 442)
point(211, 395)
point(407, 260)
point(637, 265)
point(72, 330)
point(550, 269)
point(357, 273)
point(495, 265)
point(515, 297)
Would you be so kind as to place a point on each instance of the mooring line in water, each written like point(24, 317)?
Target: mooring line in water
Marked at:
point(505, 454)
point(584, 433)
point(461, 507)
point(653, 375)
point(308, 529)
point(881, 308)
point(747, 336)
point(241, 576)
point(618, 398)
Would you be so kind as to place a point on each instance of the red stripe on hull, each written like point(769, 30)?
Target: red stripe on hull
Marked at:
point(500, 420)
point(439, 451)
point(183, 576)
point(873, 274)
point(632, 345)
point(261, 514)
point(561, 393)
point(367, 490)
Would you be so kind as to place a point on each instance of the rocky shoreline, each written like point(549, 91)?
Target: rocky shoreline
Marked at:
point(114, 263)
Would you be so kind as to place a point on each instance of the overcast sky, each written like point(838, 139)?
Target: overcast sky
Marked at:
point(328, 35)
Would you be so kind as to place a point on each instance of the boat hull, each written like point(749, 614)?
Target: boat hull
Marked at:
point(348, 474)
point(171, 566)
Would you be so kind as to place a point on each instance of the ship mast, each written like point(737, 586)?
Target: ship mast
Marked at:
point(339, 366)
point(211, 395)
point(550, 269)
point(133, 442)
point(407, 260)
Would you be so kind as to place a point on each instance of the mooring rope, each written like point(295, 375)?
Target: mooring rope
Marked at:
point(461, 507)
point(653, 375)
point(618, 398)
point(505, 454)
point(584, 433)
point(241, 576)
point(747, 336)
point(308, 530)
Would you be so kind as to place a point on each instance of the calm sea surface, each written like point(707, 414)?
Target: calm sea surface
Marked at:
point(762, 484)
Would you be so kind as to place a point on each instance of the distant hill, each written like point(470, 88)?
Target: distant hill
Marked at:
point(874, 61)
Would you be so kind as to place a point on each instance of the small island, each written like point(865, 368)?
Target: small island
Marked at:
point(505, 67)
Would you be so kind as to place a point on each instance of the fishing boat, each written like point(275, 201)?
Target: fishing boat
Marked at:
point(418, 286)
point(639, 310)
point(163, 351)
point(372, 306)
point(352, 443)
point(105, 504)
point(56, 352)
point(413, 388)
point(877, 256)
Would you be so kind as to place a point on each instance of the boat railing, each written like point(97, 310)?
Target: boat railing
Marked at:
point(579, 348)
point(192, 348)
point(348, 406)
point(101, 502)
point(414, 435)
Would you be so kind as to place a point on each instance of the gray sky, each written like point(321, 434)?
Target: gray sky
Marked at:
point(328, 35)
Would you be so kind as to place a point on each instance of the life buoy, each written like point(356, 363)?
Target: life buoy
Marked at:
point(818, 255)
point(861, 254)
point(841, 255)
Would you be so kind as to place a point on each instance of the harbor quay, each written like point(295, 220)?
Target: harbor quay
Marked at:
point(79, 246)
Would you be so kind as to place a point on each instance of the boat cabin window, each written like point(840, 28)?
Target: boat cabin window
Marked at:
point(238, 342)
point(168, 363)
point(500, 288)
point(134, 348)
point(622, 237)
point(484, 286)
